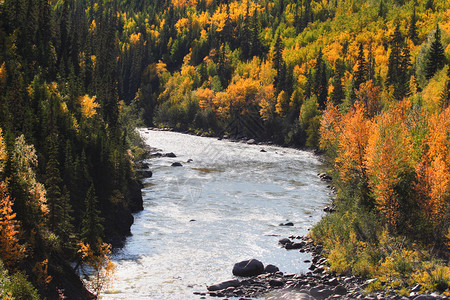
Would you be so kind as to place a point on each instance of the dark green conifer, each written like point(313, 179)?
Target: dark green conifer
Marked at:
point(338, 93)
point(436, 56)
point(382, 10)
point(412, 30)
point(361, 68)
point(91, 225)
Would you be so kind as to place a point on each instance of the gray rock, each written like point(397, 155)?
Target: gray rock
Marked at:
point(284, 241)
point(248, 268)
point(251, 142)
point(340, 290)
point(286, 224)
point(224, 285)
point(276, 282)
point(171, 154)
point(320, 293)
point(425, 297)
point(176, 164)
point(271, 269)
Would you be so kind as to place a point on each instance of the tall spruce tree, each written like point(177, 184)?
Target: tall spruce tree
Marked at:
point(436, 56)
point(321, 81)
point(91, 225)
point(399, 65)
point(412, 30)
point(361, 68)
point(338, 93)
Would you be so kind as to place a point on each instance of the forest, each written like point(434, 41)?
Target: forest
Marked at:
point(365, 82)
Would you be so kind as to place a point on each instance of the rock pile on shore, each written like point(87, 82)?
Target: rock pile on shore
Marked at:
point(315, 284)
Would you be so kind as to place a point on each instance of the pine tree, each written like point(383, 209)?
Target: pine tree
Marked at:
point(412, 30)
point(429, 5)
point(338, 93)
point(382, 10)
point(361, 69)
point(321, 81)
point(65, 228)
point(436, 56)
point(399, 65)
point(91, 225)
point(53, 181)
point(256, 47)
point(278, 54)
point(245, 36)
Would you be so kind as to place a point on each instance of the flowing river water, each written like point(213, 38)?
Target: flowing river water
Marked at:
point(222, 207)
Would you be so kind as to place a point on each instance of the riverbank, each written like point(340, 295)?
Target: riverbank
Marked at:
point(317, 283)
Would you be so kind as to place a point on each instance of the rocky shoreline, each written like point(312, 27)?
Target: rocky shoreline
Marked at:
point(269, 282)
point(317, 283)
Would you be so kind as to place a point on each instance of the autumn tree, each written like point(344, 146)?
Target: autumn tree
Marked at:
point(99, 261)
point(445, 96)
point(388, 161)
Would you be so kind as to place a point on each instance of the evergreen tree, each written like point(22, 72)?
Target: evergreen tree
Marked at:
point(53, 181)
point(338, 93)
point(429, 5)
point(65, 228)
point(361, 68)
point(382, 10)
point(256, 47)
point(412, 30)
point(245, 37)
point(91, 225)
point(436, 56)
point(278, 54)
point(399, 65)
point(321, 81)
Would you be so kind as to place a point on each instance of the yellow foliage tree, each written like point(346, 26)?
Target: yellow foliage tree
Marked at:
point(100, 264)
point(88, 106)
point(282, 106)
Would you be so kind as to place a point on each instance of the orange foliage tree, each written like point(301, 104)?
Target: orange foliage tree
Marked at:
point(388, 159)
point(434, 169)
point(99, 263)
point(10, 249)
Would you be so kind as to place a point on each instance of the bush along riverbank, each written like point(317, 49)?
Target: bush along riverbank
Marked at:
point(391, 175)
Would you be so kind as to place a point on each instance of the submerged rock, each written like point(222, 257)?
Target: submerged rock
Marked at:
point(176, 164)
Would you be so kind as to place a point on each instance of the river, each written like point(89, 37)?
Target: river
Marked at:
point(222, 207)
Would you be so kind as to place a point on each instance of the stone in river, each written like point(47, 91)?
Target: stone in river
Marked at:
point(224, 285)
point(284, 241)
point(171, 154)
point(177, 164)
point(286, 224)
point(248, 268)
point(271, 269)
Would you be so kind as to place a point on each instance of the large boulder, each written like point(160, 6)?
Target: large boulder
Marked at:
point(248, 268)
